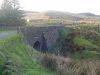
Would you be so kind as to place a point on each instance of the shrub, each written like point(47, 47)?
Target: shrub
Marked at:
point(49, 61)
point(66, 66)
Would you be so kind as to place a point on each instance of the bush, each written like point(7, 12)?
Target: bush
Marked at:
point(66, 66)
point(49, 61)
point(86, 54)
point(74, 40)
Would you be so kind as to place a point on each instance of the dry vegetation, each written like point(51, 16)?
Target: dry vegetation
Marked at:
point(67, 66)
point(85, 36)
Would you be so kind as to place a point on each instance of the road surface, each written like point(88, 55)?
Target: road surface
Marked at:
point(6, 33)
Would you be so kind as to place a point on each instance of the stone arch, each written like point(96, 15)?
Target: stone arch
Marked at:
point(37, 45)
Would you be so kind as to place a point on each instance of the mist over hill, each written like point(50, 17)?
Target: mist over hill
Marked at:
point(64, 15)
point(72, 16)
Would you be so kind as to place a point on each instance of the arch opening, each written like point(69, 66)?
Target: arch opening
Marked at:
point(37, 45)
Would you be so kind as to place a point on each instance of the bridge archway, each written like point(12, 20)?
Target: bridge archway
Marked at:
point(37, 45)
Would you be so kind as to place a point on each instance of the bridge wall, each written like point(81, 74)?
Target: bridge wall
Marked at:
point(33, 34)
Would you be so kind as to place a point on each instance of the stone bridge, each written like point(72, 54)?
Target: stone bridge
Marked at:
point(42, 37)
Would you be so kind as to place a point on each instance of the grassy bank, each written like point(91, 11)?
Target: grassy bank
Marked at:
point(17, 58)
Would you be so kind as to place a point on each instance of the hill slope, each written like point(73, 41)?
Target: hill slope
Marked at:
point(17, 58)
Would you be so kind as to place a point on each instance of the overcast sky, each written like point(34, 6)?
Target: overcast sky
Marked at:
point(74, 6)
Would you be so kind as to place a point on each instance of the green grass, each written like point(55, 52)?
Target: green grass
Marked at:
point(86, 54)
point(85, 43)
point(13, 48)
point(89, 52)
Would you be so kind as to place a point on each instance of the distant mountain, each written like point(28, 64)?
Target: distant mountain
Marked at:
point(87, 14)
point(71, 16)
point(62, 15)
point(30, 13)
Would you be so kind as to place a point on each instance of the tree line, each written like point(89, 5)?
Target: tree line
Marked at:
point(11, 13)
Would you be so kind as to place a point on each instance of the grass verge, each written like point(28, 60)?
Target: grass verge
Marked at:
point(23, 59)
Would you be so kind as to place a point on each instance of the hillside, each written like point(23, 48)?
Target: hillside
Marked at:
point(17, 58)
point(62, 15)
point(58, 17)
point(78, 44)
point(71, 16)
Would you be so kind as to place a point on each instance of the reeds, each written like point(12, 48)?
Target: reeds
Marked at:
point(67, 66)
